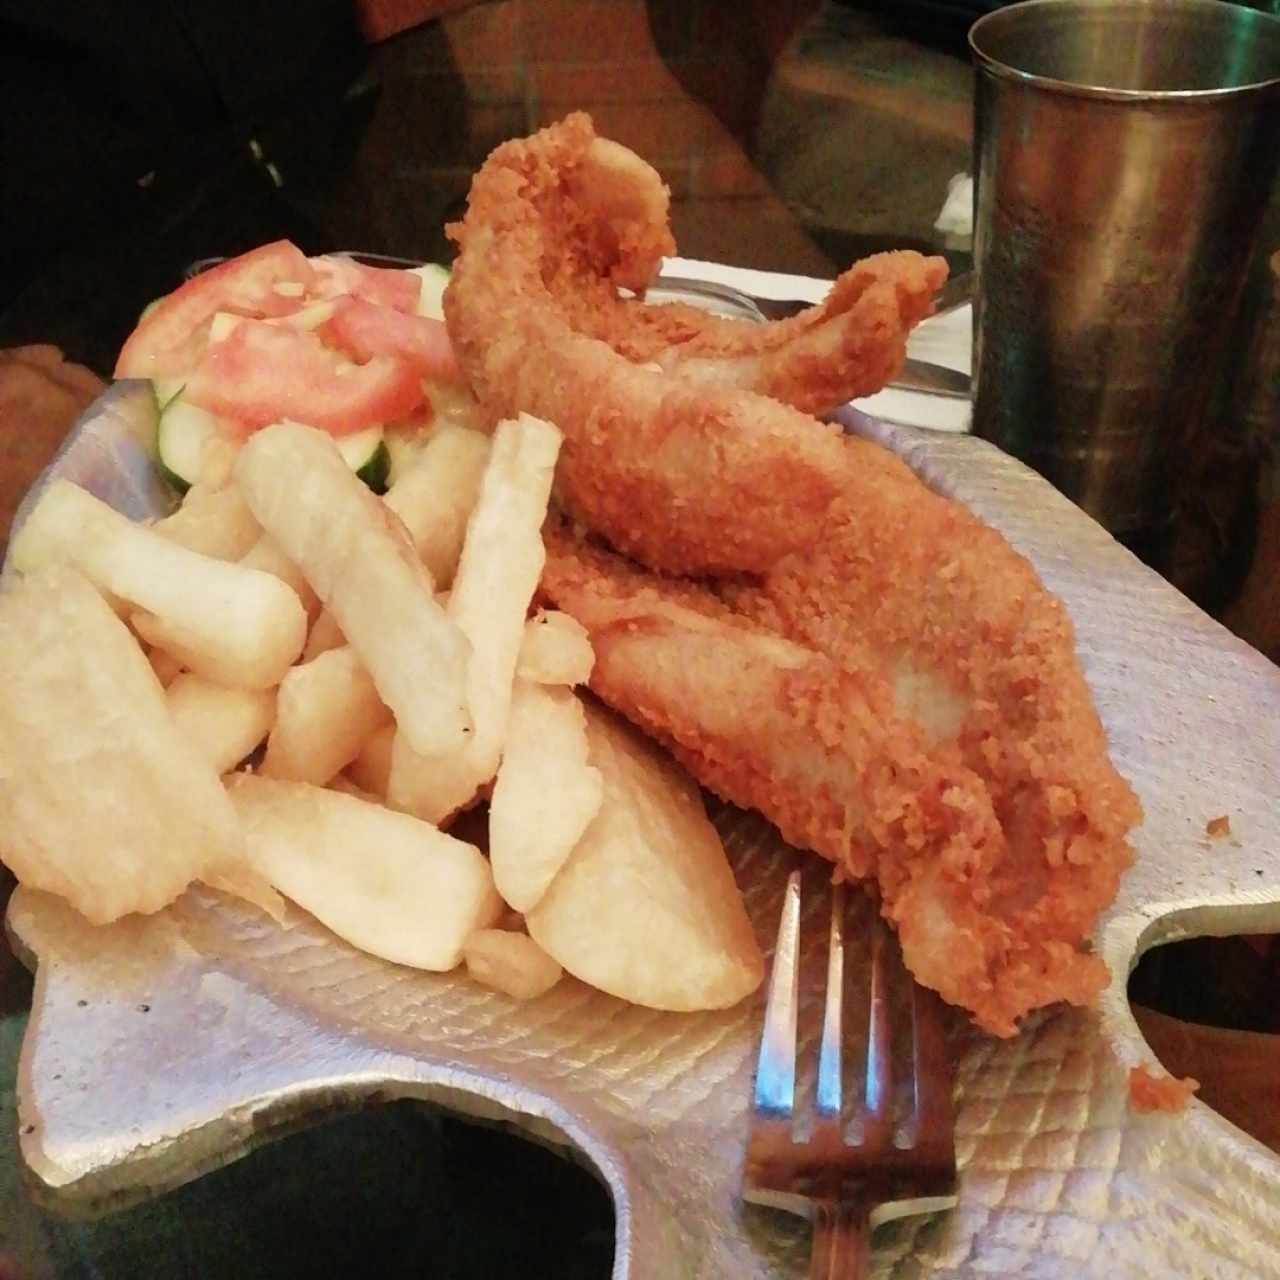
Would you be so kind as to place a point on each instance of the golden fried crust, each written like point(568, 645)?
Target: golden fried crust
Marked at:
point(764, 722)
point(872, 668)
point(819, 747)
point(601, 215)
point(975, 613)
point(848, 346)
point(666, 468)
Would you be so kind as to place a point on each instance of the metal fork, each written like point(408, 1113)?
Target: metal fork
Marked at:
point(891, 1171)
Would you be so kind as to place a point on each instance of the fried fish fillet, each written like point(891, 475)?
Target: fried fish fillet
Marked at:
point(866, 760)
point(856, 657)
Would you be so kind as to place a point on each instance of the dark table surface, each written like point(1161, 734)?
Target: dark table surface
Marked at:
point(708, 92)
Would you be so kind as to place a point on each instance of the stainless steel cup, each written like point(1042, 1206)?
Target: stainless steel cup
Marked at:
point(1124, 152)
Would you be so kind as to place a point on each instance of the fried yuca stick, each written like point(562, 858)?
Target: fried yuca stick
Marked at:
point(435, 496)
point(510, 962)
point(555, 650)
point(326, 711)
point(387, 883)
point(545, 795)
point(214, 522)
point(234, 624)
point(265, 555)
point(325, 634)
point(362, 565)
point(433, 500)
point(501, 563)
point(223, 723)
point(102, 799)
point(372, 766)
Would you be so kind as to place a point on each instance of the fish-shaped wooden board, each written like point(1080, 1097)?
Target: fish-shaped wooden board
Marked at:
point(162, 1047)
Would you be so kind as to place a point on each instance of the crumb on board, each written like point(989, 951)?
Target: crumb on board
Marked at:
point(1148, 1092)
point(1219, 826)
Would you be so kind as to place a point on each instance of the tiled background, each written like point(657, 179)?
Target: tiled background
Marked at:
point(693, 87)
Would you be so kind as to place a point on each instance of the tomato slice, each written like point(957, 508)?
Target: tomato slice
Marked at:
point(387, 286)
point(262, 372)
point(365, 330)
point(170, 338)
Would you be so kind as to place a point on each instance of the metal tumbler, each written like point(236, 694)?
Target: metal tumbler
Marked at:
point(1124, 154)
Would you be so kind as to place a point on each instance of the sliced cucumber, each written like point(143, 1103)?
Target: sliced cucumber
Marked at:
point(312, 316)
point(184, 429)
point(454, 403)
point(402, 449)
point(376, 473)
point(434, 277)
point(368, 456)
point(222, 324)
point(164, 390)
point(181, 435)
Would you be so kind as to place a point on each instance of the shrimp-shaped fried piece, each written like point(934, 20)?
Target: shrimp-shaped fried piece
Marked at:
point(849, 345)
point(605, 224)
point(683, 475)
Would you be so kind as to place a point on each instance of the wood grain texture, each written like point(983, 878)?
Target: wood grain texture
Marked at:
point(41, 395)
point(1238, 1071)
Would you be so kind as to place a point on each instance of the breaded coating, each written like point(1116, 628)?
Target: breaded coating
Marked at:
point(850, 345)
point(857, 758)
point(860, 659)
point(664, 466)
point(914, 574)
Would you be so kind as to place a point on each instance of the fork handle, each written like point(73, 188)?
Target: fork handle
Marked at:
point(840, 1241)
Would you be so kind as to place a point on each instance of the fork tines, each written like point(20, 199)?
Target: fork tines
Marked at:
point(890, 1170)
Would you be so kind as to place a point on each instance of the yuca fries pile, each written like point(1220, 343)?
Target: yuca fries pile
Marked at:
point(383, 652)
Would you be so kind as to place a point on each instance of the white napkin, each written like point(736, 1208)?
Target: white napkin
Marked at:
point(955, 219)
point(946, 340)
